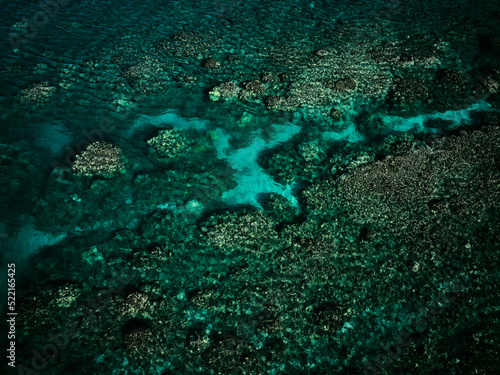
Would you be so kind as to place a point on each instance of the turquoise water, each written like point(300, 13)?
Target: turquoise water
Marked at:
point(292, 187)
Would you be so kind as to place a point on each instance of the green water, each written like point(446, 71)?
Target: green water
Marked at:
point(266, 187)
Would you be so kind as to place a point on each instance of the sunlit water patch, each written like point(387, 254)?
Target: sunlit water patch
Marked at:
point(252, 180)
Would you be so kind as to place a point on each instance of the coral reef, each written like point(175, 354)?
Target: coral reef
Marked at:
point(371, 125)
point(381, 228)
point(410, 90)
point(335, 114)
point(421, 178)
point(37, 93)
point(146, 76)
point(227, 90)
point(451, 88)
point(188, 44)
point(276, 102)
point(99, 158)
point(170, 144)
point(252, 89)
point(151, 272)
point(347, 84)
point(137, 339)
point(211, 63)
point(249, 231)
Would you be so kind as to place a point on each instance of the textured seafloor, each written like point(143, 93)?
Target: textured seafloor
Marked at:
point(251, 187)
